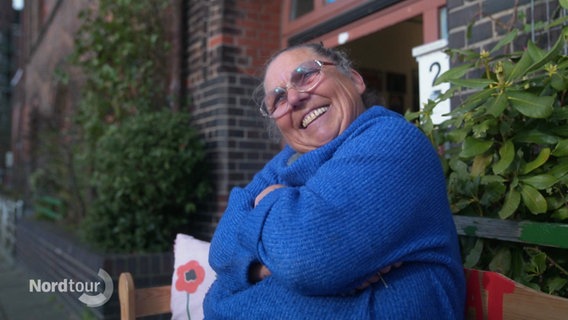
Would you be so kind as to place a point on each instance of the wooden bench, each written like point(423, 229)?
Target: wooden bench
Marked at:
point(135, 303)
point(496, 298)
point(528, 232)
point(490, 295)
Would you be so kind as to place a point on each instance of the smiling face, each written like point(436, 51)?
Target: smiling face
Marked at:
point(315, 117)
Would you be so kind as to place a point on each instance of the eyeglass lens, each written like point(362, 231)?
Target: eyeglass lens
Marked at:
point(304, 78)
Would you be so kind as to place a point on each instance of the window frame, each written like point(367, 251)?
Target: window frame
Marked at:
point(321, 13)
point(395, 13)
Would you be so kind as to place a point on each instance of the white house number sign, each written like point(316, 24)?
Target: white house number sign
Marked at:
point(432, 62)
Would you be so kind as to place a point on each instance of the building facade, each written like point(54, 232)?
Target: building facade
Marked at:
point(229, 41)
point(221, 47)
point(8, 36)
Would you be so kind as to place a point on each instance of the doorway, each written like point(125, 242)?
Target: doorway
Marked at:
point(384, 59)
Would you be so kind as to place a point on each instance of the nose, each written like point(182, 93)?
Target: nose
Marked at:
point(296, 98)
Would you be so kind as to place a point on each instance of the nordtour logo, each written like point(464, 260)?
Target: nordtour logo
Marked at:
point(91, 294)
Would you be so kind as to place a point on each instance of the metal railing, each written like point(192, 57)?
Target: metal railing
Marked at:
point(10, 211)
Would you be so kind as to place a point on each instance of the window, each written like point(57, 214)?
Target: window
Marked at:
point(300, 8)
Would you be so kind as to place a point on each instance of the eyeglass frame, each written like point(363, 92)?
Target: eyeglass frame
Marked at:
point(263, 108)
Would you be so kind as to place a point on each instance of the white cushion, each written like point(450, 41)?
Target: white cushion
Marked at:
point(191, 279)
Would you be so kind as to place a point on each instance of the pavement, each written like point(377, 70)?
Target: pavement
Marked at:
point(16, 300)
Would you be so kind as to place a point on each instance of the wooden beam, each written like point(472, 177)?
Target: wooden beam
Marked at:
point(539, 233)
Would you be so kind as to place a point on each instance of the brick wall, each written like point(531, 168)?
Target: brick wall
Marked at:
point(47, 36)
point(227, 44)
point(490, 19)
point(480, 24)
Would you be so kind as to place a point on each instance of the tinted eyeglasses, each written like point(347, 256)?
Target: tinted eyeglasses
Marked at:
point(303, 79)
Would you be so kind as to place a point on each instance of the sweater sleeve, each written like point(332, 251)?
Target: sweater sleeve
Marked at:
point(226, 256)
point(378, 200)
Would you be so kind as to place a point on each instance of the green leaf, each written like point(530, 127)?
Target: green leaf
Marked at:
point(496, 106)
point(492, 193)
point(454, 73)
point(521, 67)
point(480, 130)
point(561, 149)
point(560, 113)
point(412, 116)
point(474, 254)
point(557, 22)
point(533, 200)
point(535, 136)
point(537, 162)
point(552, 53)
point(540, 182)
point(560, 213)
point(559, 170)
point(537, 264)
point(472, 102)
point(473, 147)
point(531, 105)
point(564, 3)
point(559, 131)
point(506, 157)
point(554, 202)
point(535, 52)
point(492, 179)
point(508, 38)
point(479, 165)
point(457, 135)
point(555, 284)
point(501, 262)
point(471, 83)
point(558, 82)
point(512, 201)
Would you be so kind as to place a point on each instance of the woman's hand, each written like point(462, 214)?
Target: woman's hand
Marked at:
point(257, 272)
point(266, 191)
point(378, 277)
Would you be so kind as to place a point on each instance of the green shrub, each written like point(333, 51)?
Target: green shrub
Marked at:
point(149, 177)
point(122, 49)
point(506, 152)
point(119, 69)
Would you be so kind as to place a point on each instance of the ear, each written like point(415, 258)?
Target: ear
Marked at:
point(358, 81)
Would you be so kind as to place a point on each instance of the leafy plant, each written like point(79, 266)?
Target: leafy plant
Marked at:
point(142, 163)
point(149, 178)
point(122, 48)
point(506, 151)
point(53, 179)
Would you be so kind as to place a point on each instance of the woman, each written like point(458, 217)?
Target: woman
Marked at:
point(355, 191)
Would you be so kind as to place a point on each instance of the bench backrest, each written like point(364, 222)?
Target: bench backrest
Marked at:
point(491, 295)
point(135, 303)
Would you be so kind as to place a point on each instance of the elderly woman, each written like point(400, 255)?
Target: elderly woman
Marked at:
point(355, 191)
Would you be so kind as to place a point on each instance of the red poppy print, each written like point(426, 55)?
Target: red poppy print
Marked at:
point(190, 276)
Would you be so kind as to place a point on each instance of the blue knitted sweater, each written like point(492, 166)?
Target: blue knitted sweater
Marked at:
point(373, 196)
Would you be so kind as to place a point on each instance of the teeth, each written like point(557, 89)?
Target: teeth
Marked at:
point(313, 116)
